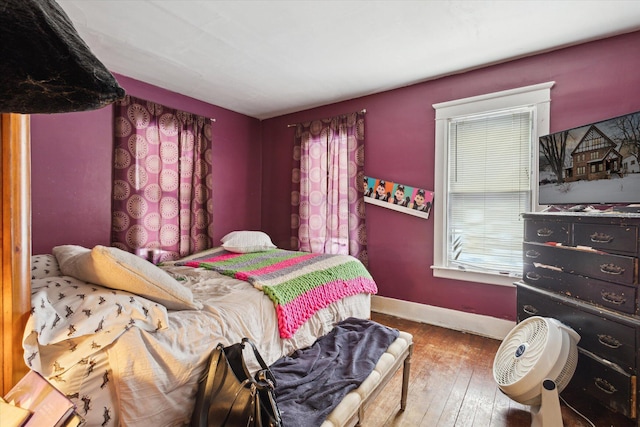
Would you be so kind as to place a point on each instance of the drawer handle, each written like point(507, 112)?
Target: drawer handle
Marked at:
point(532, 275)
point(532, 254)
point(605, 386)
point(544, 232)
point(613, 298)
point(529, 309)
point(601, 238)
point(609, 341)
point(611, 269)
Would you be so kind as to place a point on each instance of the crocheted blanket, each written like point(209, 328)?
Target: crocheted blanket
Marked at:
point(298, 283)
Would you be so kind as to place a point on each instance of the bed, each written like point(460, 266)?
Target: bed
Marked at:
point(130, 353)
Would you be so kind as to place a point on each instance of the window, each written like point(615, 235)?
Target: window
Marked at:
point(486, 176)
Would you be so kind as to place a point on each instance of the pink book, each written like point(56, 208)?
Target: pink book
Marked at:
point(49, 405)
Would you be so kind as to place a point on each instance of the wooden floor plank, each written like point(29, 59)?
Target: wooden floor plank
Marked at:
point(478, 402)
point(451, 383)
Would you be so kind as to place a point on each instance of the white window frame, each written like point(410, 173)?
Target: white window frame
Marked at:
point(536, 96)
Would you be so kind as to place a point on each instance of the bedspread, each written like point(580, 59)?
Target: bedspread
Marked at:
point(125, 360)
point(298, 283)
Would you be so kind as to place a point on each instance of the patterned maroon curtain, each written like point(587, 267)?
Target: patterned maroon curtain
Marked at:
point(162, 189)
point(327, 196)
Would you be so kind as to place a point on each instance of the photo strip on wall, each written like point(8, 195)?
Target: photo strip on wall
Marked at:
point(399, 197)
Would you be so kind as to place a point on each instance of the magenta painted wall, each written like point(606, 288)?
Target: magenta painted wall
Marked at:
point(594, 81)
point(70, 180)
point(71, 170)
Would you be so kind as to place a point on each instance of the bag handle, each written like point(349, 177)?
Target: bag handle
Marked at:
point(264, 375)
point(204, 394)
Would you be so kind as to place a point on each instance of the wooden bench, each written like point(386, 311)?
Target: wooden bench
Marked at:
point(350, 411)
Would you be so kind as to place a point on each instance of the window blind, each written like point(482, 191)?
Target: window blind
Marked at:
point(489, 187)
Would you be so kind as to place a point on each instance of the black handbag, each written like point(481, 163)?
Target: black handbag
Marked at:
point(229, 396)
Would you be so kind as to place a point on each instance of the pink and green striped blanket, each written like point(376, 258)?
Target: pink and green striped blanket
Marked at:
point(298, 283)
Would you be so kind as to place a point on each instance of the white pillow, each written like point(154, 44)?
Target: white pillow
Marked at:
point(247, 241)
point(75, 261)
point(117, 269)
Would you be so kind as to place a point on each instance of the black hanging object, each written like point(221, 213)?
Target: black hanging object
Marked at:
point(45, 67)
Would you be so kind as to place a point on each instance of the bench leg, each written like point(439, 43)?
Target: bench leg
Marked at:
point(405, 379)
point(360, 415)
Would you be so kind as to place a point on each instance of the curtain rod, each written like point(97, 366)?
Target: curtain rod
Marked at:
point(363, 111)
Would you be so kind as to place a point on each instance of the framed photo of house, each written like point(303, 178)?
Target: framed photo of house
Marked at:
point(592, 164)
point(400, 197)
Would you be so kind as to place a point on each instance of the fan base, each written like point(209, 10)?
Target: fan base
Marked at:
point(548, 414)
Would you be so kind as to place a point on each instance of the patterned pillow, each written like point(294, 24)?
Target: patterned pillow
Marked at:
point(66, 308)
point(247, 241)
point(44, 266)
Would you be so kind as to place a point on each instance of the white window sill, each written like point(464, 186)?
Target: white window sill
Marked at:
point(475, 276)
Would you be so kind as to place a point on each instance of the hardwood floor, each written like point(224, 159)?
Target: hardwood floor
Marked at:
point(451, 384)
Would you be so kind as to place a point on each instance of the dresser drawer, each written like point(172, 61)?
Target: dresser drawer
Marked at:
point(606, 294)
point(599, 334)
point(599, 265)
point(607, 237)
point(612, 387)
point(547, 231)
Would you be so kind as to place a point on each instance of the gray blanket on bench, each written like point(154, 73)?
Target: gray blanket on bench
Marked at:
point(312, 381)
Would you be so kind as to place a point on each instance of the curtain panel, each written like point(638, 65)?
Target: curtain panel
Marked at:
point(162, 184)
point(327, 196)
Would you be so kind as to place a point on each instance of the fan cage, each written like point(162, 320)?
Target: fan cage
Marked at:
point(508, 369)
point(536, 349)
point(562, 380)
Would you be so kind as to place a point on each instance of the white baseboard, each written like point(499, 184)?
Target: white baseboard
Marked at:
point(452, 319)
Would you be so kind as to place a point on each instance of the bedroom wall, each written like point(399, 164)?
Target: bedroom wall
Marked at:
point(71, 170)
point(594, 81)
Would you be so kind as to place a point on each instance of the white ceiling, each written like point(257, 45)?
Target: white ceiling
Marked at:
point(268, 58)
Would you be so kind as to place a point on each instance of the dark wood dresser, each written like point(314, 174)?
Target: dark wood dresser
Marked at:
point(582, 269)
